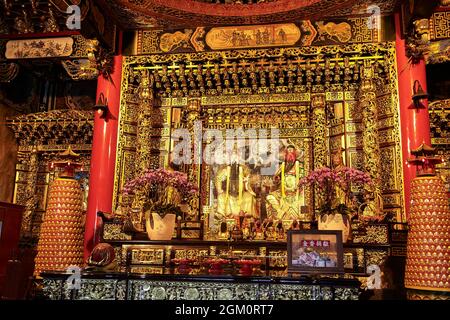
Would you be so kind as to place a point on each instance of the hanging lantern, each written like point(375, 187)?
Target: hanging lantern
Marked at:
point(102, 106)
point(418, 96)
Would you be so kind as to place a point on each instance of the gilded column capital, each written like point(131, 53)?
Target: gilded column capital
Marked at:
point(193, 109)
point(318, 100)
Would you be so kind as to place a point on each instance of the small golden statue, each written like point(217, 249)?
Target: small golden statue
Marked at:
point(372, 206)
point(259, 232)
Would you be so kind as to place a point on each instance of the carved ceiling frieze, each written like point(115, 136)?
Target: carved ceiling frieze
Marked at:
point(300, 33)
point(252, 72)
point(188, 13)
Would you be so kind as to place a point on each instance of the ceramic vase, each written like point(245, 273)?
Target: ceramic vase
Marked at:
point(336, 222)
point(160, 228)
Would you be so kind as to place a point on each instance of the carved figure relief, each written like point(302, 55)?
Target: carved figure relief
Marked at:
point(340, 31)
point(171, 41)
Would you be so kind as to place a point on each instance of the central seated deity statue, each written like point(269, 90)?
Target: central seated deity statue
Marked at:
point(234, 192)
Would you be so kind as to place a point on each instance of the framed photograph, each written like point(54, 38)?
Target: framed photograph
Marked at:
point(315, 251)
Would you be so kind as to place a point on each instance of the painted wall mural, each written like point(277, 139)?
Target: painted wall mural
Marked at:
point(253, 36)
point(73, 47)
point(39, 48)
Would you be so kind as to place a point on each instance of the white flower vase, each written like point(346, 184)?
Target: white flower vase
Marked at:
point(160, 228)
point(335, 222)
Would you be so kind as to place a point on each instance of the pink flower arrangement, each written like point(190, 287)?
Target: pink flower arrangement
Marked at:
point(160, 188)
point(347, 177)
point(329, 180)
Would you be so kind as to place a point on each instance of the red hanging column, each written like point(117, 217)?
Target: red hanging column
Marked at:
point(104, 145)
point(415, 123)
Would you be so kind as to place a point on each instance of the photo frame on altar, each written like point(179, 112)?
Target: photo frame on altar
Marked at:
point(315, 251)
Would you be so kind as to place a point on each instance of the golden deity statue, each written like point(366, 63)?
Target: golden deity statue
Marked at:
point(234, 191)
point(340, 195)
point(373, 205)
point(287, 201)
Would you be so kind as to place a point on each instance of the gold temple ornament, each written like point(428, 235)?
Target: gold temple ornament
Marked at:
point(427, 262)
point(61, 240)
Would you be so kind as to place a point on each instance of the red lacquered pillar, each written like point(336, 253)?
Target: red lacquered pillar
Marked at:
point(101, 181)
point(415, 123)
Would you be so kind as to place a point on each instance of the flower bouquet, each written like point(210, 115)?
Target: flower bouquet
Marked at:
point(159, 193)
point(334, 193)
point(334, 187)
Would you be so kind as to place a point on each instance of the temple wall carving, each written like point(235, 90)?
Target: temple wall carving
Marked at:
point(305, 33)
point(8, 155)
point(39, 138)
point(440, 137)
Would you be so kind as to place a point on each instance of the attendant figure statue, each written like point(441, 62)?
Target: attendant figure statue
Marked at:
point(372, 208)
point(288, 200)
point(339, 196)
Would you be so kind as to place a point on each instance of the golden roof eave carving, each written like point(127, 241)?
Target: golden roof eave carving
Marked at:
point(53, 128)
point(54, 115)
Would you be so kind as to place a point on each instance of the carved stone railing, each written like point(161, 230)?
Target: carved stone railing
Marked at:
point(120, 286)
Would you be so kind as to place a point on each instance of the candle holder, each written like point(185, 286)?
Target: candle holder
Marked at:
point(216, 265)
point(184, 264)
point(246, 266)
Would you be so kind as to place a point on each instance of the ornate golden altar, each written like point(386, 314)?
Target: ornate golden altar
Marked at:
point(323, 100)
